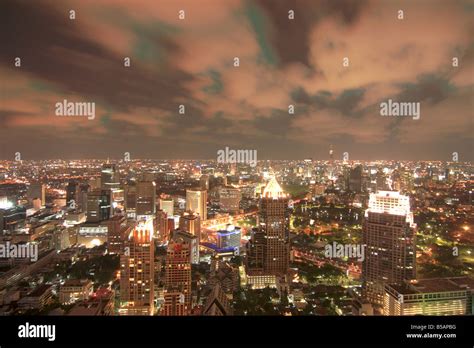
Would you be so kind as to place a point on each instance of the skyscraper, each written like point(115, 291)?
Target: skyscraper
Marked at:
point(273, 220)
point(109, 176)
point(191, 223)
point(177, 279)
point(196, 201)
point(99, 205)
point(137, 272)
point(229, 199)
point(355, 179)
point(167, 205)
point(37, 190)
point(268, 250)
point(71, 192)
point(389, 235)
point(146, 198)
point(130, 200)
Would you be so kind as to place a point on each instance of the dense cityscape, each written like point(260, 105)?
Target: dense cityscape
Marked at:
point(202, 237)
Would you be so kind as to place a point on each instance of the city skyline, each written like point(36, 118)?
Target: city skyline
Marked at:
point(286, 59)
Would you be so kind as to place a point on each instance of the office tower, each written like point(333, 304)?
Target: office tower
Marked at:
point(95, 183)
point(117, 231)
point(37, 190)
point(389, 235)
point(167, 205)
point(162, 226)
point(229, 199)
point(137, 271)
point(81, 197)
point(435, 296)
point(381, 181)
point(191, 222)
point(12, 218)
point(355, 179)
point(99, 205)
point(193, 242)
point(268, 250)
point(146, 198)
point(109, 176)
point(130, 200)
point(406, 180)
point(177, 279)
point(196, 201)
point(229, 238)
point(331, 153)
point(204, 182)
point(71, 193)
point(273, 220)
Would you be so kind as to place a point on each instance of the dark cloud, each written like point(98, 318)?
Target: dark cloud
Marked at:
point(53, 48)
point(290, 38)
point(347, 102)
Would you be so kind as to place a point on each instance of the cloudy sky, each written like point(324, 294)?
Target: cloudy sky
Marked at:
point(282, 62)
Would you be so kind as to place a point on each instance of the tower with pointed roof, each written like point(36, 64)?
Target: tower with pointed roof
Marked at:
point(269, 248)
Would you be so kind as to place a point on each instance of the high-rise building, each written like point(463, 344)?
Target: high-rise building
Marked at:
point(162, 226)
point(196, 201)
point(117, 231)
point(71, 193)
point(109, 176)
point(37, 190)
point(146, 198)
point(191, 222)
point(99, 205)
point(81, 197)
point(436, 296)
point(229, 238)
point(269, 249)
point(229, 199)
point(167, 205)
point(193, 242)
point(177, 279)
point(130, 200)
point(380, 181)
point(389, 236)
point(204, 182)
point(137, 272)
point(355, 179)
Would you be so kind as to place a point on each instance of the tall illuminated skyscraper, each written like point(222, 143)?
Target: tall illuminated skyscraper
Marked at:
point(191, 223)
point(196, 201)
point(177, 279)
point(389, 235)
point(167, 205)
point(137, 271)
point(268, 251)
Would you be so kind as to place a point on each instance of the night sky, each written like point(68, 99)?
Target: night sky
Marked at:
point(282, 62)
